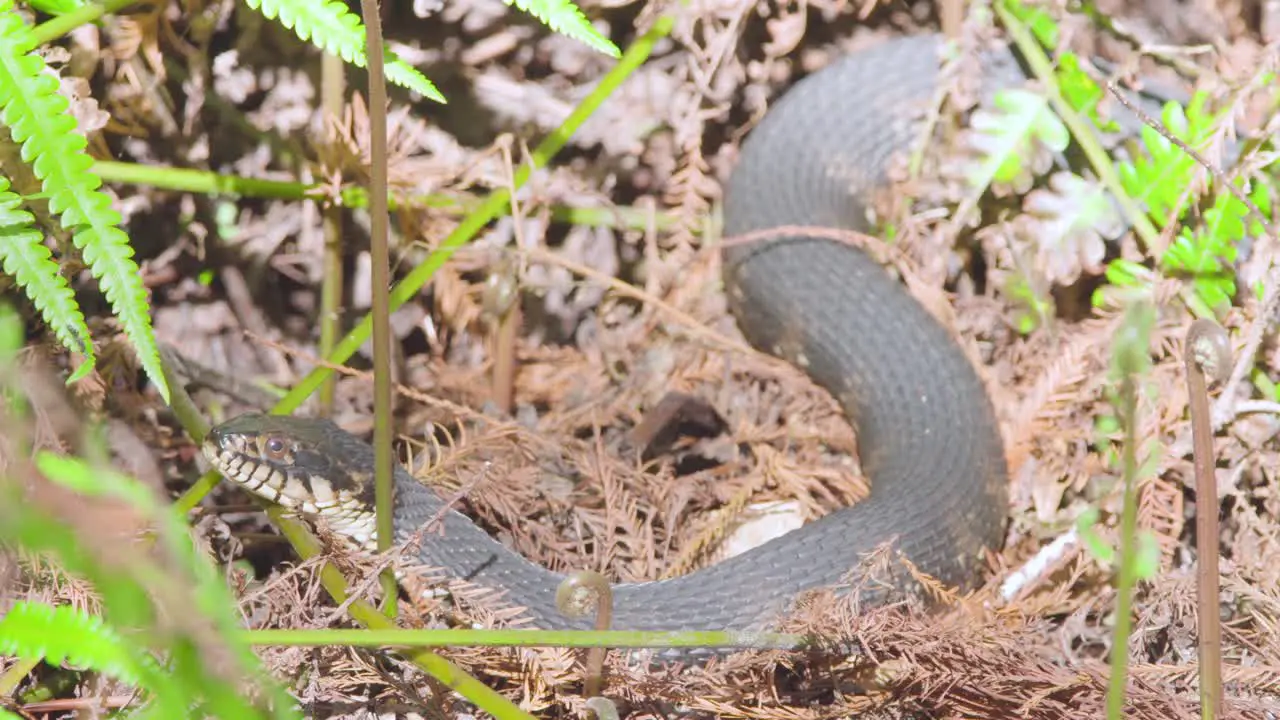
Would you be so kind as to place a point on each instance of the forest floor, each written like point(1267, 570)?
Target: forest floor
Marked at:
point(626, 310)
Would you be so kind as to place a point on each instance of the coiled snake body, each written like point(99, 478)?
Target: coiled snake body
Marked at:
point(928, 439)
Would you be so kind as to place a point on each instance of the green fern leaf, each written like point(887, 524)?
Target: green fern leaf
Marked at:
point(65, 634)
point(564, 17)
point(24, 257)
point(339, 31)
point(1014, 141)
point(1081, 92)
point(37, 118)
point(1207, 252)
point(1159, 178)
point(56, 7)
point(1008, 144)
point(125, 596)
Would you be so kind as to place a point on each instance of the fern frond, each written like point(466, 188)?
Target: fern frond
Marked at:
point(65, 634)
point(566, 18)
point(340, 32)
point(1068, 224)
point(24, 256)
point(1009, 144)
point(36, 115)
point(1081, 91)
point(130, 592)
point(1158, 178)
point(1205, 253)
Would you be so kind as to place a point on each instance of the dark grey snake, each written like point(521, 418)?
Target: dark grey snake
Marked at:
point(928, 438)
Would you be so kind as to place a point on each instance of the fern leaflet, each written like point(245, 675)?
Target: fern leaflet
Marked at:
point(1009, 144)
point(1206, 251)
point(339, 31)
point(1159, 178)
point(36, 115)
point(24, 256)
point(564, 17)
point(65, 634)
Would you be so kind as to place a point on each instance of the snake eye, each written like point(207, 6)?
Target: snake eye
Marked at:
point(275, 448)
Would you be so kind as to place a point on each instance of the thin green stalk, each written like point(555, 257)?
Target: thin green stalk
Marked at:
point(521, 638)
point(61, 25)
point(211, 183)
point(1129, 361)
point(204, 182)
point(14, 675)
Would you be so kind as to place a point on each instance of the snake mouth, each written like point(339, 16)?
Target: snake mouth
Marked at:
point(240, 468)
point(237, 458)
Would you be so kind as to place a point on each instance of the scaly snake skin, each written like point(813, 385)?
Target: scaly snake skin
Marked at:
point(928, 438)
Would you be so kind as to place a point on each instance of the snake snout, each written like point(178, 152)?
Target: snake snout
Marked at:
point(279, 460)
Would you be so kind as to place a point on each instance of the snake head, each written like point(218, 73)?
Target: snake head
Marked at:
point(308, 465)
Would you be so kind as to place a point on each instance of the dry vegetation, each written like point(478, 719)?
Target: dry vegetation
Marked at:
point(213, 85)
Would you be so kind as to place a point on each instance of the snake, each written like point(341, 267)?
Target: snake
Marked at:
point(928, 439)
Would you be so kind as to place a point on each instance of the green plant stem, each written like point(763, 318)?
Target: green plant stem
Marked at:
point(1093, 150)
point(521, 638)
point(1130, 357)
point(207, 182)
point(61, 25)
point(1128, 553)
point(11, 677)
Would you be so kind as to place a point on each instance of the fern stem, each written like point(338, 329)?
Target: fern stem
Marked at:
point(211, 183)
point(1130, 359)
point(61, 25)
point(11, 677)
point(1089, 144)
point(332, 90)
point(380, 260)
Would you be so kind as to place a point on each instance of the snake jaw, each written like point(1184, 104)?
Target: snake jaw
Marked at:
point(281, 469)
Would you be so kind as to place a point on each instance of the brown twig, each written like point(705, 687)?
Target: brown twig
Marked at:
point(502, 308)
point(332, 89)
point(379, 220)
point(502, 304)
point(1207, 354)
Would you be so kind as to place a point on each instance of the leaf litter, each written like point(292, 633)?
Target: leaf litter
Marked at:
point(560, 483)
